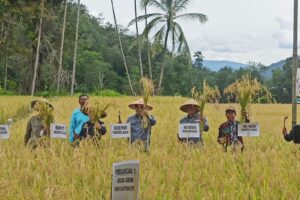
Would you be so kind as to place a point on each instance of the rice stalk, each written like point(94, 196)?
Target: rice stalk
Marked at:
point(245, 91)
point(208, 94)
point(148, 89)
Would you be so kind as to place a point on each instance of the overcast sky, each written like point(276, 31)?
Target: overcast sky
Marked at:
point(237, 30)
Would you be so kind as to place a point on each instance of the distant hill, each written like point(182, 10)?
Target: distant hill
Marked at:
point(216, 65)
point(267, 73)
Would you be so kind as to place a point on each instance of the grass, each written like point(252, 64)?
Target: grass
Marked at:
point(269, 168)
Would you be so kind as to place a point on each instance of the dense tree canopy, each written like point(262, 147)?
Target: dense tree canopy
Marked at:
point(99, 62)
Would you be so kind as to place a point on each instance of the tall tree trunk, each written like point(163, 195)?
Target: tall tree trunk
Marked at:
point(6, 66)
point(121, 47)
point(75, 49)
point(148, 47)
point(37, 49)
point(62, 46)
point(164, 60)
point(138, 39)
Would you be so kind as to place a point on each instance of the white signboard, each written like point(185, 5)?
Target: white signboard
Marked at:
point(126, 180)
point(189, 130)
point(58, 131)
point(248, 129)
point(120, 130)
point(4, 132)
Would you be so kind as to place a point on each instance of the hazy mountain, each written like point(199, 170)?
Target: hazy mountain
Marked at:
point(267, 73)
point(216, 65)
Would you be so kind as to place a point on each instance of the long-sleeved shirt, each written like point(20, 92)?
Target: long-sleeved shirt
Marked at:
point(194, 119)
point(137, 128)
point(293, 135)
point(35, 129)
point(88, 129)
point(77, 120)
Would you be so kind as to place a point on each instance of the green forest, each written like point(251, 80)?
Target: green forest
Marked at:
point(25, 25)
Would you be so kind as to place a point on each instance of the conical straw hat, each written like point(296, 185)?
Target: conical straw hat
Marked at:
point(43, 100)
point(139, 103)
point(190, 102)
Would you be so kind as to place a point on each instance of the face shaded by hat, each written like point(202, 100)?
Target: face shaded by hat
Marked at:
point(139, 105)
point(190, 104)
point(34, 104)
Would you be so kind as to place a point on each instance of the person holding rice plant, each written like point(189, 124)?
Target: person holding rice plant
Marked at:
point(141, 123)
point(94, 127)
point(38, 126)
point(192, 108)
point(228, 131)
point(80, 121)
point(78, 118)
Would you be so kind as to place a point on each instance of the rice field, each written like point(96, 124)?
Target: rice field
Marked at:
point(269, 168)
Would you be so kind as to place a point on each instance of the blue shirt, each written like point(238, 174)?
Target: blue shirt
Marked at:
point(193, 119)
point(137, 128)
point(76, 123)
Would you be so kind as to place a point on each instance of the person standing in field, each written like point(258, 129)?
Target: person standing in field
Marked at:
point(228, 131)
point(192, 108)
point(38, 126)
point(78, 119)
point(293, 135)
point(81, 126)
point(92, 129)
point(141, 123)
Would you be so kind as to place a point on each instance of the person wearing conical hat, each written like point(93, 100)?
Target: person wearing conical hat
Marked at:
point(141, 123)
point(192, 108)
point(228, 131)
point(37, 127)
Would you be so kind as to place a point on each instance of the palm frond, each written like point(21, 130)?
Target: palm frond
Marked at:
point(144, 17)
point(193, 16)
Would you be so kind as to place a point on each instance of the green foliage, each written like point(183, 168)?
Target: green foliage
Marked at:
point(107, 93)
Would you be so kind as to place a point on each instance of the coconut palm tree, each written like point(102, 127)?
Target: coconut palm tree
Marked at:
point(138, 39)
point(121, 47)
point(167, 26)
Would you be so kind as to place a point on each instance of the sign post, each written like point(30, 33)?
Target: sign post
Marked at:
point(248, 129)
point(4, 131)
point(126, 180)
point(58, 131)
point(120, 130)
point(189, 130)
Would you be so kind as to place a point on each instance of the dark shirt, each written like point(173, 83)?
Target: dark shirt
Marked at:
point(229, 130)
point(88, 130)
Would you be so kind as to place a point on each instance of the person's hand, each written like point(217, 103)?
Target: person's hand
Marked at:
point(203, 118)
point(284, 131)
point(145, 113)
point(222, 140)
point(97, 125)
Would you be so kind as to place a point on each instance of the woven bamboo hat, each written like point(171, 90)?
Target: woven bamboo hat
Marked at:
point(42, 100)
point(190, 102)
point(139, 104)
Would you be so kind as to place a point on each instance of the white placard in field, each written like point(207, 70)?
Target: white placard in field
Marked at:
point(126, 180)
point(58, 131)
point(248, 129)
point(120, 130)
point(4, 132)
point(189, 130)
